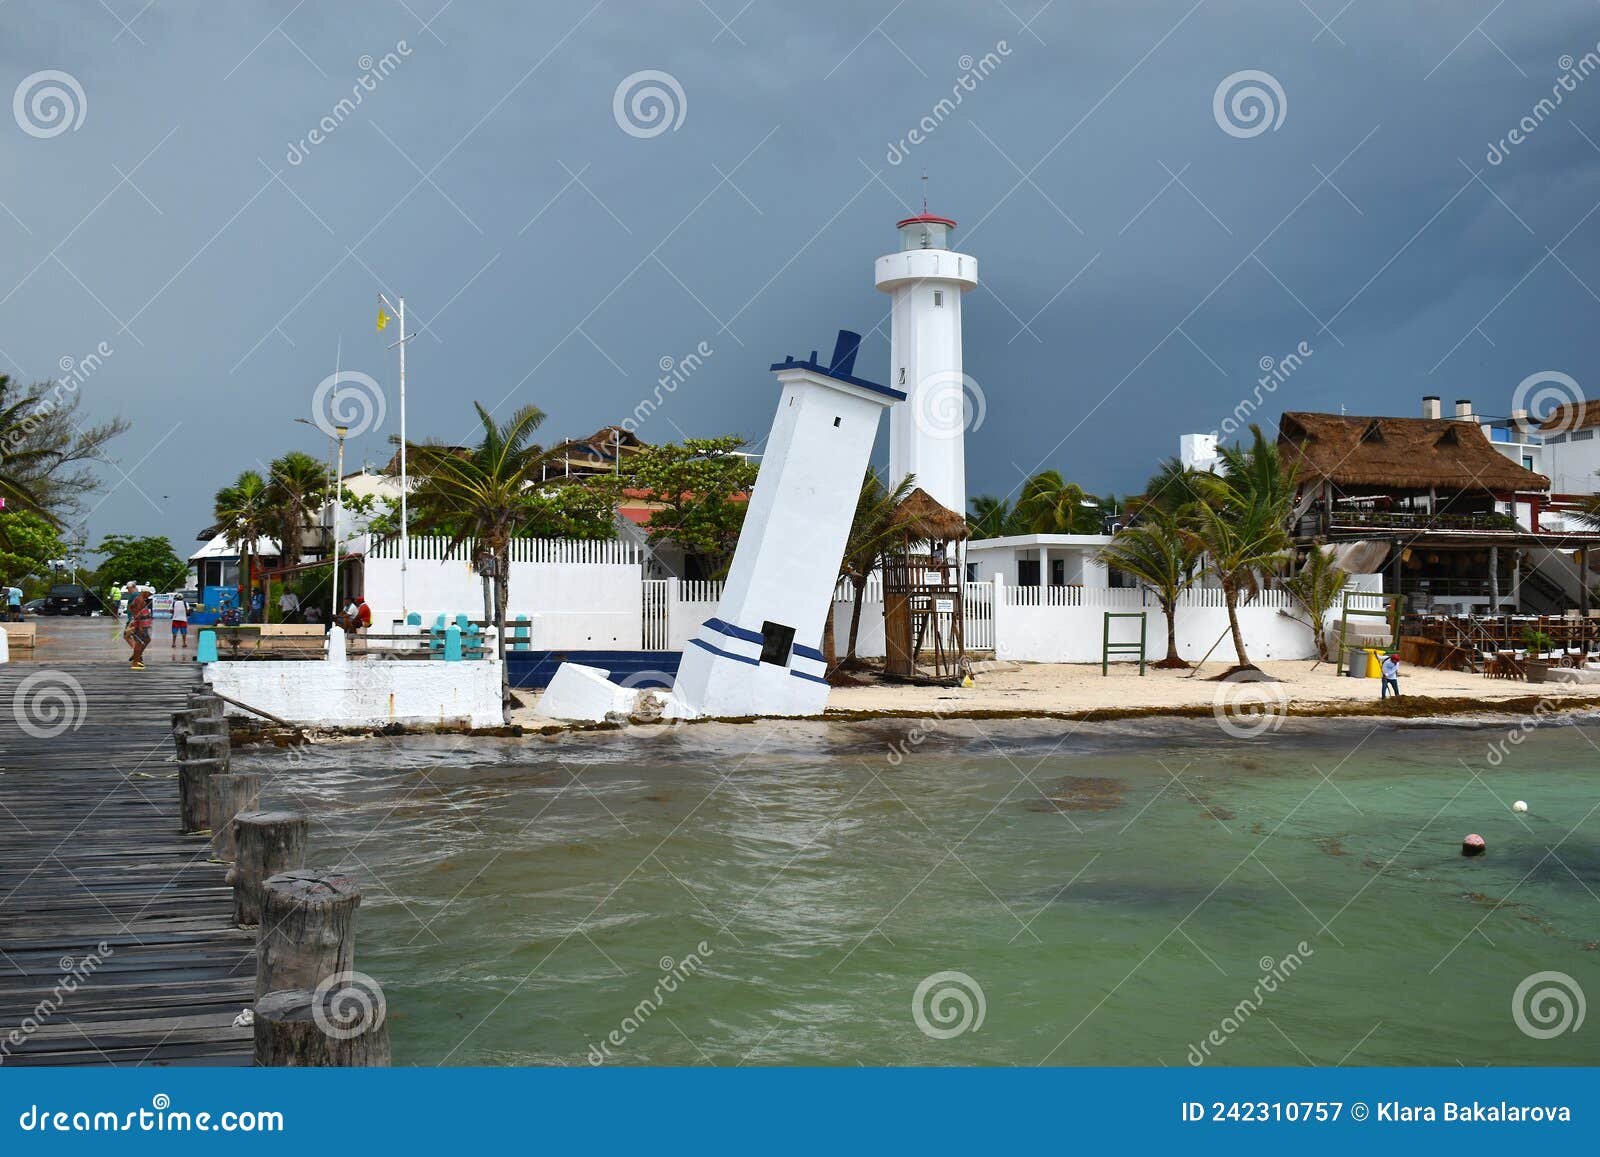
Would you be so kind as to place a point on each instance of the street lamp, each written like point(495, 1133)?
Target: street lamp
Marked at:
point(338, 509)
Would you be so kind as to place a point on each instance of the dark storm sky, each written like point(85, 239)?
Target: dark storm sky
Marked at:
point(1138, 262)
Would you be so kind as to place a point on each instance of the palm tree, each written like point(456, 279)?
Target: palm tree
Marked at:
point(19, 462)
point(297, 484)
point(990, 517)
point(1174, 487)
point(1316, 587)
point(1241, 523)
point(1165, 559)
point(243, 513)
point(480, 494)
point(1049, 504)
point(871, 530)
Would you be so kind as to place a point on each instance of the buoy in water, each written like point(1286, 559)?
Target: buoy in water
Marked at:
point(1473, 846)
point(1520, 806)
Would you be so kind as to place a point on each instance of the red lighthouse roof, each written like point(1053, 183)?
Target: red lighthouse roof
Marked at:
point(925, 218)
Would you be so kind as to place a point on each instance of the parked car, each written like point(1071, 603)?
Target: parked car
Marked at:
point(71, 599)
point(33, 607)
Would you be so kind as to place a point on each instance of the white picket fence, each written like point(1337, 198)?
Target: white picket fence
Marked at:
point(593, 595)
point(558, 551)
point(1133, 598)
point(657, 609)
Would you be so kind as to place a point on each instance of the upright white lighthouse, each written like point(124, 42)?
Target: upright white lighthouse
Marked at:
point(926, 279)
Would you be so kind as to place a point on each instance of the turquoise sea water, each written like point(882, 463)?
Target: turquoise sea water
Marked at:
point(776, 894)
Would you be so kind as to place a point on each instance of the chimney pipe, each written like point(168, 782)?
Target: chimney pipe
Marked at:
point(1463, 407)
point(1430, 405)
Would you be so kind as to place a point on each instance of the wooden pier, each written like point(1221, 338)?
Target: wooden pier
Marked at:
point(91, 855)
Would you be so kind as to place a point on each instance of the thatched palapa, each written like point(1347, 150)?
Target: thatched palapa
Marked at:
point(920, 518)
point(1406, 453)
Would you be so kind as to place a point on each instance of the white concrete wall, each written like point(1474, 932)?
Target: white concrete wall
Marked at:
point(364, 692)
point(594, 601)
point(1066, 625)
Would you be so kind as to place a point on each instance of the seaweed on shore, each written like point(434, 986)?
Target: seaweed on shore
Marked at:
point(1080, 793)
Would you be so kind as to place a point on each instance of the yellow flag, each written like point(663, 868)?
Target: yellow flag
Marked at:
point(383, 318)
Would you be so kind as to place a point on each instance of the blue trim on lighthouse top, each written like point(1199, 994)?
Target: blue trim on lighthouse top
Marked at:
point(841, 367)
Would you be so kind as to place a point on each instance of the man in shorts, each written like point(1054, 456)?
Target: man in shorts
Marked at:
point(137, 633)
point(180, 622)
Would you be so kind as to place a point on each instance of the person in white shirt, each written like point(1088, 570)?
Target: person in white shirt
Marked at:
point(288, 605)
point(180, 622)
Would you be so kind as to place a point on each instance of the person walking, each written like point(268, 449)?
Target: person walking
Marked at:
point(14, 604)
point(180, 622)
point(288, 605)
point(1391, 675)
point(137, 633)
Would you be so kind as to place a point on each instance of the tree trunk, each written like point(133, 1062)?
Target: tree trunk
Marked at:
point(1173, 659)
point(296, 1028)
point(502, 591)
point(268, 843)
point(1231, 597)
point(307, 929)
point(829, 655)
point(855, 616)
point(244, 581)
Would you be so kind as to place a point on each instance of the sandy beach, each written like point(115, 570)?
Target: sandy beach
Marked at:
point(1301, 687)
point(1078, 687)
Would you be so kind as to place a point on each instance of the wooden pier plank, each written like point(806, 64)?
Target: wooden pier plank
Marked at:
point(90, 854)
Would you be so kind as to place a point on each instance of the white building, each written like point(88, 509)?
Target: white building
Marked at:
point(1571, 449)
point(926, 279)
point(1035, 560)
point(760, 654)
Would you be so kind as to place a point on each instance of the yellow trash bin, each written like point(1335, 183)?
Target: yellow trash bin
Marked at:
point(1374, 662)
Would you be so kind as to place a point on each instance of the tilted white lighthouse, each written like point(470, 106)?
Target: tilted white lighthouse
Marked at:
point(926, 279)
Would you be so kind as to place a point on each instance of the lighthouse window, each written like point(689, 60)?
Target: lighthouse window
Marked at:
point(836, 423)
point(938, 298)
point(777, 641)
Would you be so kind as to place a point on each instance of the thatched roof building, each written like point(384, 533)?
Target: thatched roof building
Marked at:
point(1571, 416)
point(920, 518)
point(1399, 454)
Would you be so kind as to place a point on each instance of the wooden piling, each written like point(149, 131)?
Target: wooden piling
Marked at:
point(229, 795)
point(307, 929)
point(268, 843)
point(296, 1028)
point(214, 747)
point(194, 793)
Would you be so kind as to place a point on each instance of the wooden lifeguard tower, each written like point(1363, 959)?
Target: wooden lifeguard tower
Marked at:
point(922, 585)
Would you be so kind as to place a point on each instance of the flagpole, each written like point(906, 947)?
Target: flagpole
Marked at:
point(405, 486)
point(405, 529)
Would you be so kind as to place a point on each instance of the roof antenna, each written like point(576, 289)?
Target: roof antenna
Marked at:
point(924, 192)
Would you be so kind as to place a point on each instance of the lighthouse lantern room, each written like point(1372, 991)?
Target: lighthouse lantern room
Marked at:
point(925, 280)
